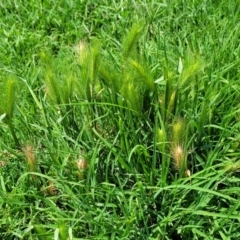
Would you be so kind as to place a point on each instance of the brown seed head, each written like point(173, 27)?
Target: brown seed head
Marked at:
point(51, 188)
point(82, 164)
point(31, 160)
point(179, 158)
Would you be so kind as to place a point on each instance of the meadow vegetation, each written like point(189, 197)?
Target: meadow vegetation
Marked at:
point(119, 119)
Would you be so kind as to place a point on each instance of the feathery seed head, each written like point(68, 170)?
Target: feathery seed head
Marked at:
point(30, 156)
point(51, 188)
point(178, 131)
point(178, 157)
point(83, 52)
point(180, 160)
point(161, 139)
point(82, 164)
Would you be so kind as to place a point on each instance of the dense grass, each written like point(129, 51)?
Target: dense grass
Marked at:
point(119, 119)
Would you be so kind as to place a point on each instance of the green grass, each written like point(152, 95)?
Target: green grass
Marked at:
point(119, 119)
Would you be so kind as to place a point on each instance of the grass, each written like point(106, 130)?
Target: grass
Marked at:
point(119, 120)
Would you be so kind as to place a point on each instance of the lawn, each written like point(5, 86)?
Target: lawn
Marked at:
point(119, 119)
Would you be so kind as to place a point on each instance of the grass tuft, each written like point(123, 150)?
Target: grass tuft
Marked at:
point(119, 119)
